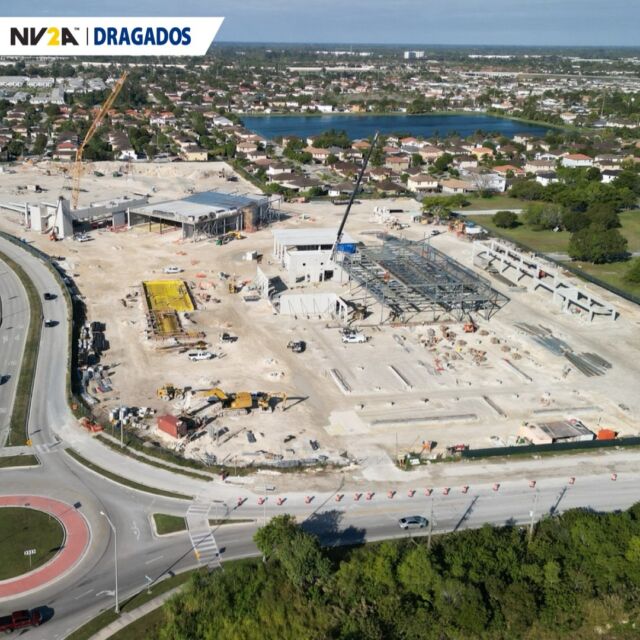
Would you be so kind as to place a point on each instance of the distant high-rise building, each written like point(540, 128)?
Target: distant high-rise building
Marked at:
point(413, 55)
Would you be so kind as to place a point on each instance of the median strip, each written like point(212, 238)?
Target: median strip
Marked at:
point(20, 415)
point(125, 481)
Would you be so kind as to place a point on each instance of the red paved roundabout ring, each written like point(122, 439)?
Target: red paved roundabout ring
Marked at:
point(76, 541)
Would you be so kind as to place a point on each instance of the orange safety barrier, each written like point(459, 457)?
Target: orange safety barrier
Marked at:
point(241, 501)
point(532, 484)
point(465, 488)
point(496, 486)
point(428, 492)
point(280, 501)
point(308, 499)
point(261, 500)
point(572, 480)
point(370, 495)
point(411, 493)
point(390, 494)
point(614, 476)
point(339, 496)
point(357, 496)
point(445, 491)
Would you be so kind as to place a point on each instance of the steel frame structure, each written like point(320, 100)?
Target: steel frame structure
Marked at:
point(414, 279)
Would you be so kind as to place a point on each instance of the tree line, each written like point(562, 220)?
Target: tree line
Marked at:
point(577, 577)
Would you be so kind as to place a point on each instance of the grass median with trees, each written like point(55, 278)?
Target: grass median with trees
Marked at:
point(576, 578)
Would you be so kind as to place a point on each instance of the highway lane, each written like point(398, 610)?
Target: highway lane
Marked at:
point(14, 321)
point(82, 594)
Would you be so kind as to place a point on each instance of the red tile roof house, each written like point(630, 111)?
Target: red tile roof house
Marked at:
point(575, 160)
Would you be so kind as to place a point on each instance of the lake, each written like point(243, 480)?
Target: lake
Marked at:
point(362, 126)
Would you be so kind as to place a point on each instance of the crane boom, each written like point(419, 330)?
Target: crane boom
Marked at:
point(97, 121)
point(353, 196)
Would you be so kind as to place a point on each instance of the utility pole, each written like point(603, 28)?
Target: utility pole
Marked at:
point(115, 552)
point(430, 526)
point(532, 515)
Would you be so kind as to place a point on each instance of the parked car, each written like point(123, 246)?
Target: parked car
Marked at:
point(172, 269)
point(82, 237)
point(196, 356)
point(49, 296)
point(297, 346)
point(227, 337)
point(50, 323)
point(412, 522)
point(354, 338)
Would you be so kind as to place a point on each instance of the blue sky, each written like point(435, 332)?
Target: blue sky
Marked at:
point(509, 22)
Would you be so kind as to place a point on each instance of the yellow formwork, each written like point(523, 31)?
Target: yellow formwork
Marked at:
point(168, 295)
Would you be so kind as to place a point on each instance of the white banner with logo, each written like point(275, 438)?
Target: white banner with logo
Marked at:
point(107, 36)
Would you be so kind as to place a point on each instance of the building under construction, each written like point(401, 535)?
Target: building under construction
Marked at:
point(205, 215)
point(414, 282)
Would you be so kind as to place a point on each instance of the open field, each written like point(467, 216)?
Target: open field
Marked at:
point(403, 388)
point(23, 529)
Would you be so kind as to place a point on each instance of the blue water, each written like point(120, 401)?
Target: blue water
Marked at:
point(357, 126)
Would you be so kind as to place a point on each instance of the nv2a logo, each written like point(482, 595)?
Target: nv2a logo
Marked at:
point(51, 36)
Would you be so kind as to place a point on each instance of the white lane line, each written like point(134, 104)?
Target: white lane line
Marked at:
point(82, 595)
point(154, 559)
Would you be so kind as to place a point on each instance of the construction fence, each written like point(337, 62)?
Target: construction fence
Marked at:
point(632, 441)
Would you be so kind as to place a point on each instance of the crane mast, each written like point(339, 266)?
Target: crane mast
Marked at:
point(97, 121)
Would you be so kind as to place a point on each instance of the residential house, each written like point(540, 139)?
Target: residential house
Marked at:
point(576, 160)
point(454, 186)
point(539, 166)
point(422, 182)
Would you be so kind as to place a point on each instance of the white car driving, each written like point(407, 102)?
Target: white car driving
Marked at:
point(172, 269)
point(354, 338)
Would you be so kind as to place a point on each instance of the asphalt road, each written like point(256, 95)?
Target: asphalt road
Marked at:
point(143, 557)
point(14, 321)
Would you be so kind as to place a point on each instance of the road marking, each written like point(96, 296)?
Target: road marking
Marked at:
point(154, 559)
point(105, 592)
point(136, 531)
point(86, 593)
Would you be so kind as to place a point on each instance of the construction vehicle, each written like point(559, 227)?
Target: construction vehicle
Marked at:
point(470, 326)
point(169, 392)
point(244, 400)
point(95, 125)
point(297, 346)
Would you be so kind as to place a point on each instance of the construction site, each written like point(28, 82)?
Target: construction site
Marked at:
point(285, 338)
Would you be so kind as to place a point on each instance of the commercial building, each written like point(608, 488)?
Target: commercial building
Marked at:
point(556, 432)
point(206, 214)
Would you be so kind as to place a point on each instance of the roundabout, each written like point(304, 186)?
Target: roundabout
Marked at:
point(34, 521)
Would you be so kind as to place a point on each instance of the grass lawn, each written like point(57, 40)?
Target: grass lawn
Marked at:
point(166, 523)
point(125, 481)
point(146, 627)
point(541, 241)
point(630, 221)
point(22, 529)
point(612, 274)
point(18, 461)
point(495, 202)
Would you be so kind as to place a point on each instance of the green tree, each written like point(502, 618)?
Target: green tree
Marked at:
point(40, 144)
point(505, 219)
point(574, 220)
point(442, 163)
point(633, 272)
point(543, 216)
point(598, 245)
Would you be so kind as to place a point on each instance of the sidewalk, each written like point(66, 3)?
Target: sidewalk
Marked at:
point(127, 618)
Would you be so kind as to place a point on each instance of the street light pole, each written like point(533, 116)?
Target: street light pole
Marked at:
point(115, 551)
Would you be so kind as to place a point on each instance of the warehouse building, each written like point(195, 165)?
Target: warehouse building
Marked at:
point(205, 215)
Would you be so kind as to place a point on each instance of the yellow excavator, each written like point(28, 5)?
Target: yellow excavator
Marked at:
point(243, 400)
point(169, 392)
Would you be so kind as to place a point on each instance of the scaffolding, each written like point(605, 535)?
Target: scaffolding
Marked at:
point(416, 282)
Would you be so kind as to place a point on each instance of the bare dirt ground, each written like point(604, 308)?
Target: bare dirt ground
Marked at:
point(443, 394)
